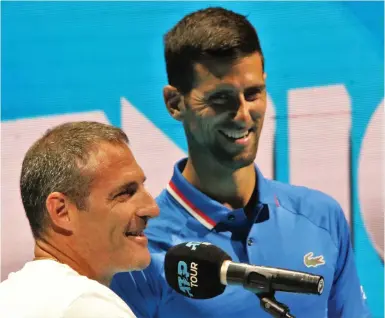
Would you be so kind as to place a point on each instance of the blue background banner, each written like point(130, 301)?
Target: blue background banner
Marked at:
point(71, 57)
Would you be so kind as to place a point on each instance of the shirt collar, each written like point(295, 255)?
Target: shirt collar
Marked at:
point(204, 209)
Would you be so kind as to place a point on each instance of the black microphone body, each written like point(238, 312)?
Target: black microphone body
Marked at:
point(263, 279)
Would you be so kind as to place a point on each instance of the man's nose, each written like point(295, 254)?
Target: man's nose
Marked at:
point(153, 210)
point(243, 114)
point(150, 208)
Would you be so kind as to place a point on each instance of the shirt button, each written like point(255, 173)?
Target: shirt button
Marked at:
point(231, 217)
point(250, 241)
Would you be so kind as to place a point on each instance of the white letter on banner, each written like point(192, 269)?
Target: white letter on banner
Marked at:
point(319, 130)
point(155, 152)
point(370, 182)
point(265, 155)
point(17, 136)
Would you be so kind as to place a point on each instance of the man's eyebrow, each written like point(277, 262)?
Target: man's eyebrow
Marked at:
point(229, 89)
point(259, 87)
point(221, 89)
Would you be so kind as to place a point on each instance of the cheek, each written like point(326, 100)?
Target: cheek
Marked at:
point(123, 214)
point(262, 104)
point(200, 129)
point(260, 121)
point(201, 125)
point(193, 127)
point(98, 223)
point(88, 223)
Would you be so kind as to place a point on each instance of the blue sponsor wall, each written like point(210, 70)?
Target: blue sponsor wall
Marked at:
point(64, 57)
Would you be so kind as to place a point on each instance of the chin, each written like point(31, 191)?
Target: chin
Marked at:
point(238, 164)
point(239, 161)
point(134, 262)
point(246, 159)
point(235, 164)
point(236, 159)
point(141, 261)
point(145, 262)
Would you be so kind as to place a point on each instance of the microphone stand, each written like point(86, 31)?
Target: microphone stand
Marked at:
point(274, 307)
point(260, 285)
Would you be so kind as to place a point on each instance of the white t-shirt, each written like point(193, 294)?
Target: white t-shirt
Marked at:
point(48, 289)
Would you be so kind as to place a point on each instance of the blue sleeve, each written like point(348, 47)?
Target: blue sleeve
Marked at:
point(346, 299)
point(140, 290)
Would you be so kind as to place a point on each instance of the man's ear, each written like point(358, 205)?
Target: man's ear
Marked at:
point(174, 102)
point(60, 210)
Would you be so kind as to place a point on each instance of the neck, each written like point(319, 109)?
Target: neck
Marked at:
point(231, 187)
point(49, 248)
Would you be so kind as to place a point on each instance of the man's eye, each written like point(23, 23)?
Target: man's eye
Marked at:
point(127, 192)
point(253, 94)
point(252, 97)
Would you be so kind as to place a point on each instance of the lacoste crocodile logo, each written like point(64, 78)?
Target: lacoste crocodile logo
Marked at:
point(311, 261)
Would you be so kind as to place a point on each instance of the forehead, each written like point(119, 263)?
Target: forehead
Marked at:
point(244, 72)
point(110, 164)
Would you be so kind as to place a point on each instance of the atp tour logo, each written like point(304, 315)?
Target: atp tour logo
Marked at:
point(188, 277)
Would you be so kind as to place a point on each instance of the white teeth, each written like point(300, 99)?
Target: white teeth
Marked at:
point(235, 134)
point(133, 233)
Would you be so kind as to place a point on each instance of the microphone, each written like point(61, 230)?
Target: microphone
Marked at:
point(201, 270)
point(263, 279)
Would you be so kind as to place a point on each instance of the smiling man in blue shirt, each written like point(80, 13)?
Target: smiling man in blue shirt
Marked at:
point(217, 90)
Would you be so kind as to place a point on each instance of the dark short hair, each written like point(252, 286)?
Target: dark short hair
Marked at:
point(58, 162)
point(206, 34)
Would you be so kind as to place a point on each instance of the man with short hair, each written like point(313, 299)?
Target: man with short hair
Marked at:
point(215, 69)
point(85, 200)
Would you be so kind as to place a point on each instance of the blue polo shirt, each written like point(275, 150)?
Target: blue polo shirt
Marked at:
point(292, 227)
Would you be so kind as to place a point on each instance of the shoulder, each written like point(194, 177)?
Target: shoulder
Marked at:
point(79, 291)
point(303, 199)
point(98, 301)
point(61, 289)
point(319, 208)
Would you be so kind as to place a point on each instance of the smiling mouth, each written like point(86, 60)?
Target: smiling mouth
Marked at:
point(137, 233)
point(236, 134)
